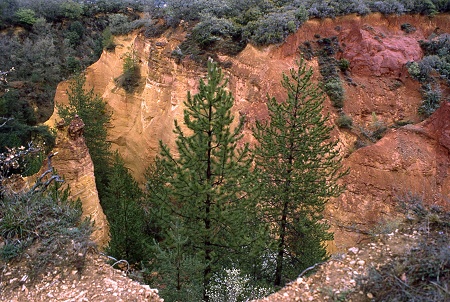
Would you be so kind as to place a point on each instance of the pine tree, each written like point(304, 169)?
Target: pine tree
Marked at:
point(122, 205)
point(206, 187)
point(92, 110)
point(299, 166)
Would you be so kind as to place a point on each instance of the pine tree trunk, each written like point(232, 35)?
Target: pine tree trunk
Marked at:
point(280, 256)
point(207, 220)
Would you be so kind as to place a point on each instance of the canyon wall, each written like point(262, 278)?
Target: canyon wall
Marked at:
point(412, 158)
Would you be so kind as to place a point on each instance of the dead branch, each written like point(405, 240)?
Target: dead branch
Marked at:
point(40, 185)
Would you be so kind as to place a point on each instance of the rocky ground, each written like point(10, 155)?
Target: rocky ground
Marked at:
point(334, 280)
point(338, 278)
point(96, 281)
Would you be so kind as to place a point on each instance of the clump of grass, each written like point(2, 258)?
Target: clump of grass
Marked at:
point(47, 227)
point(423, 274)
point(344, 121)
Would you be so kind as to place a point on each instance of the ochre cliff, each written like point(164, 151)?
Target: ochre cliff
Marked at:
point(74, 164)
point(412, 158)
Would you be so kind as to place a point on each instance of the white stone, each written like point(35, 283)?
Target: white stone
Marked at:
point(353, 250)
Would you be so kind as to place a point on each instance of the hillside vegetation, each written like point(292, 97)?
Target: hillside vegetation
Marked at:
point(217, 219)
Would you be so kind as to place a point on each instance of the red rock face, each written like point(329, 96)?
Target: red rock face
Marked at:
point(407, 159)
point(413, 159)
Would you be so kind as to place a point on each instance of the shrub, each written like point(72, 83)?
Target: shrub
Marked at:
point(71, 9)
point(432, 97)
point(51, 222)
point(407, 28)
point(155, 30)
point(129, 80)
point(211, 30)
point(119, 24)
point(335, 91)
point(344, 121)
point(73, 65)
point(108, 40)
point(375, 130)
point(344, 64)
point(388, 7)
point(25, 16)
point(425, 7)
point(272, 28)
point(416, 72)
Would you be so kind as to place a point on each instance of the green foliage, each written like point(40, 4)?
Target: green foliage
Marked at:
point(92, 110)
point(26, 16)
point(299, 166)
point(407, 28)
point(21, 129)
point(274, 27)
point(71, 9)
point(335, 91)
point(75, 32)
point(415, 70)
point(344, 121)
point(433, 71)
point(73, 65)
point(129, 80)
point(206, 189)
point(108, 40)
point(211, 30)
point(329, 68)
point(373, 132)
point(344, 64)
point(177, 272)
point(119, 24)
point(122, 206)
point(432, 98)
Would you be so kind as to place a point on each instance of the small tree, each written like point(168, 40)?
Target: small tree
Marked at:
point(129, 80)
point(299, 166)
point(205, 189)
point(125, 214)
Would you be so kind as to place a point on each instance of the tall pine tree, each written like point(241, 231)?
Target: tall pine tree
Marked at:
point(299, 166)
point(204, 189)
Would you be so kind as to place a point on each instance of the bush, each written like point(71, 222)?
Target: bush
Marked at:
point(71, 9)
point(272, 28)
point(119, 24)
point(48, 220)
point(129, 80)
point(344, 121)
point(335, 91)
point(407, 28)
point(388, 7)
point(330, 9)
point(417, 72)
point(375, 130)
point(432, 97)
point(344, 64)
point(211, 30)
point(108, 40)
point(26, 16)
